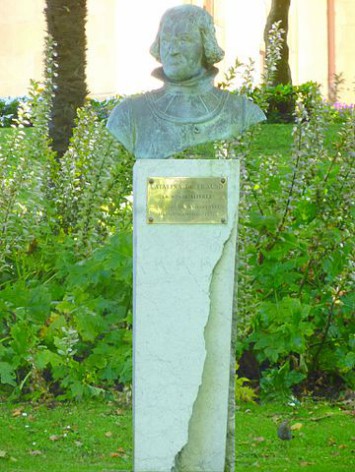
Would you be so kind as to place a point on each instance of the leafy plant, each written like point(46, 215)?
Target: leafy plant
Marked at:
point(243, 392)
point(9, 110)
point(103, 108)
point(277, 383)
point(280, 100)
point(295, 248)
point(296, 253)
point(65, 257)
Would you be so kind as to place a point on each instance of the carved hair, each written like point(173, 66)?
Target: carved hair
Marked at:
point(203, 20)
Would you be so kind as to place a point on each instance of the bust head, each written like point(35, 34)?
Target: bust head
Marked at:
point(186, 44)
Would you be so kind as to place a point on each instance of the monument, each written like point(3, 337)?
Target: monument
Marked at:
point(185, 230)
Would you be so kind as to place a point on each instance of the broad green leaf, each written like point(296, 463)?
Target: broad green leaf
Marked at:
point(7, 374)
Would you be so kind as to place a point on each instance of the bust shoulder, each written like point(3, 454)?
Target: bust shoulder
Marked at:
point(249, 112)
point(121, 122)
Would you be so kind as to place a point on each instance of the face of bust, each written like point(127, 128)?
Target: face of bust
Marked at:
point(181, 50)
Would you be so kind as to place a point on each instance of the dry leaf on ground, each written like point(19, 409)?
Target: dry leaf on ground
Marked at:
point(119, 453)
point(36, 453)
point(17, 412)
point(296, 426)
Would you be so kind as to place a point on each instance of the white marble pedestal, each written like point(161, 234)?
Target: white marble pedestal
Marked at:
point(183, 299)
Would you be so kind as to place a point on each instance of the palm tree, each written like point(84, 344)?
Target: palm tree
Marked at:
point(279, 12)
point(66, 25)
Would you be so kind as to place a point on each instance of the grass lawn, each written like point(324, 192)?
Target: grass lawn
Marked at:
point(277, 139)
point(90, 437)
point(5, 131)
point(323, 438)
point(97, 437)
point(272, 139)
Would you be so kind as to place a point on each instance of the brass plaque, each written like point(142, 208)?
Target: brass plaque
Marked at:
point(187, 200)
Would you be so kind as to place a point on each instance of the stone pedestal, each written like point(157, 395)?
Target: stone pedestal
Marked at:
point(183, 299)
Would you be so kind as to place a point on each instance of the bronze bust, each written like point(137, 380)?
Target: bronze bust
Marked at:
point(188, 110)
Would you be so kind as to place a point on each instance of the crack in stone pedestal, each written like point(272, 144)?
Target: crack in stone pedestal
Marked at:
point(192, 456)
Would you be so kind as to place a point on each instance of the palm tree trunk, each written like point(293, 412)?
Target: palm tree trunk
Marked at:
point(66, 24)
point(279, 12)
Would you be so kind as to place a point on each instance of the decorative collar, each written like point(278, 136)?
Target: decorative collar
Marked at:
point(192, 101)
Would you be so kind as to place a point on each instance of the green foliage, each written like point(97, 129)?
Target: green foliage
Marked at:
point(243, 392)
point(274, 53)
point(9, 107)
point(8, 110)
point(277, 383)
point(65, 257)
point(339, 112)
point(296, 259)
point(281, 100)
point(104, 107)
point(296, 301)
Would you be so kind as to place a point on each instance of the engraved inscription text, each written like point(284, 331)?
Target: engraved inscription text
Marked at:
point(187, 200)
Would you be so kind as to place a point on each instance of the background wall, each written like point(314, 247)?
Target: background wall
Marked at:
point(21, 44)
point(308, 42)
point(345, 46)
point(102, 46)
point(120, 33)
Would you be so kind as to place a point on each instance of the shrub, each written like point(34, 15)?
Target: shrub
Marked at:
point(103, 108)
point(9, 110)
point(340, 112)
point(296, 261)
point(281, 100)
point(65, 257)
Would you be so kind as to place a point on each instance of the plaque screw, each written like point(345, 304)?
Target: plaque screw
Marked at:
point(223, 220)
point(151, 181)
point(150, 219)
point(223, 180)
